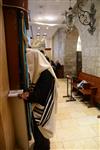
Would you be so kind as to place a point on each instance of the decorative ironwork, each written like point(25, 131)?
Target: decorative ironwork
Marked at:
point(87, 17)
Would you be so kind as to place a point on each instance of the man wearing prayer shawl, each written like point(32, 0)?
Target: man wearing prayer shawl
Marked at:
point(42, 93)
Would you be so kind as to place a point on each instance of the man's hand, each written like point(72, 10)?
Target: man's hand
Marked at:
point(24, 95)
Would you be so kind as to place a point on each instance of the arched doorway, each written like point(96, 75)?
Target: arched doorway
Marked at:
point(66, 49)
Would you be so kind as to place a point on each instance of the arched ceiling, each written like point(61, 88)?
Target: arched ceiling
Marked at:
point(47, 15)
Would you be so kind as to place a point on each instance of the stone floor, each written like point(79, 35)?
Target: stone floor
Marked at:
point(77, 126)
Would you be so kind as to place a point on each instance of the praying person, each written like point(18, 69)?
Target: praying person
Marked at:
point(43, 96)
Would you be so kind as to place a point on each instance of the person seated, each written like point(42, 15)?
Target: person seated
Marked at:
point(53, 65)
point(58, 65)
point(45, 55)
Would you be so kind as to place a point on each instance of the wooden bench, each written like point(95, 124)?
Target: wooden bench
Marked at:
point(91, 88)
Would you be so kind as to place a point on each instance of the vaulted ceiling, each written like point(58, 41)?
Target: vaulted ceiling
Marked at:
point(47, 15)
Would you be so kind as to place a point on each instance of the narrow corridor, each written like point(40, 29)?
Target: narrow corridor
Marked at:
point(77, 127)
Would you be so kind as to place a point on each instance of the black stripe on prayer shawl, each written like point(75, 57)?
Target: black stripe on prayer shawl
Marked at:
point(38, 113)
point(47, 110)
point(48, 116)
point(41, 119)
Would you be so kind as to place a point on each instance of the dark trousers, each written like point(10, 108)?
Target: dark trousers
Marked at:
point(41, 143)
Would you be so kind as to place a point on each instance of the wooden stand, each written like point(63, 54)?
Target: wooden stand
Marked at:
point(69, 79)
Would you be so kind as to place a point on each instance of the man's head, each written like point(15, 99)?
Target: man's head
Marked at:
point(37, 63)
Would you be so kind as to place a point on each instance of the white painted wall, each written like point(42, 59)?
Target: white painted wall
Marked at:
point(90, 45)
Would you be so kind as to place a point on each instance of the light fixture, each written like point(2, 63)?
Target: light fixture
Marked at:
point(38, 34)
point(47, 27)
point(38, 28)
point(46, 18)
point(45, 34)
point(86, 17)
point(50, 18)
point(69, 18)
point(46, 24)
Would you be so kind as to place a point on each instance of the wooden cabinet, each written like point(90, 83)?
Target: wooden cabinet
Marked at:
point(15, 24)
point(15, 21)
point(21, 4)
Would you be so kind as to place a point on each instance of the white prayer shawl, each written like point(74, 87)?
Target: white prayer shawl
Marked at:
point(37, 63)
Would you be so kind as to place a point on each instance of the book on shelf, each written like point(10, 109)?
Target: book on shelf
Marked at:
point(14, 93)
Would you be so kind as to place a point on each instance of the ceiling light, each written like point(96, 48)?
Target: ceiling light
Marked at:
point(50, 18)
point(46, 24)
point(38, 34)
point(38, 28)
point(44, 34)
point(52, 25)
point(47, 28)
point(39, 18)
point(69, 19)
point(46, 18)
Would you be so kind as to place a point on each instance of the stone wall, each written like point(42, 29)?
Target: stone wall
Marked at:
point(65, 46)
point(90, 45)
point(59, 45)
point(70, 52)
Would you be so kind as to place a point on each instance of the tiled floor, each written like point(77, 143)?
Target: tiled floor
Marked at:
point(77, 126)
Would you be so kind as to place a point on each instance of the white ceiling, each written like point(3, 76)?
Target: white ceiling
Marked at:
point(41, 10)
